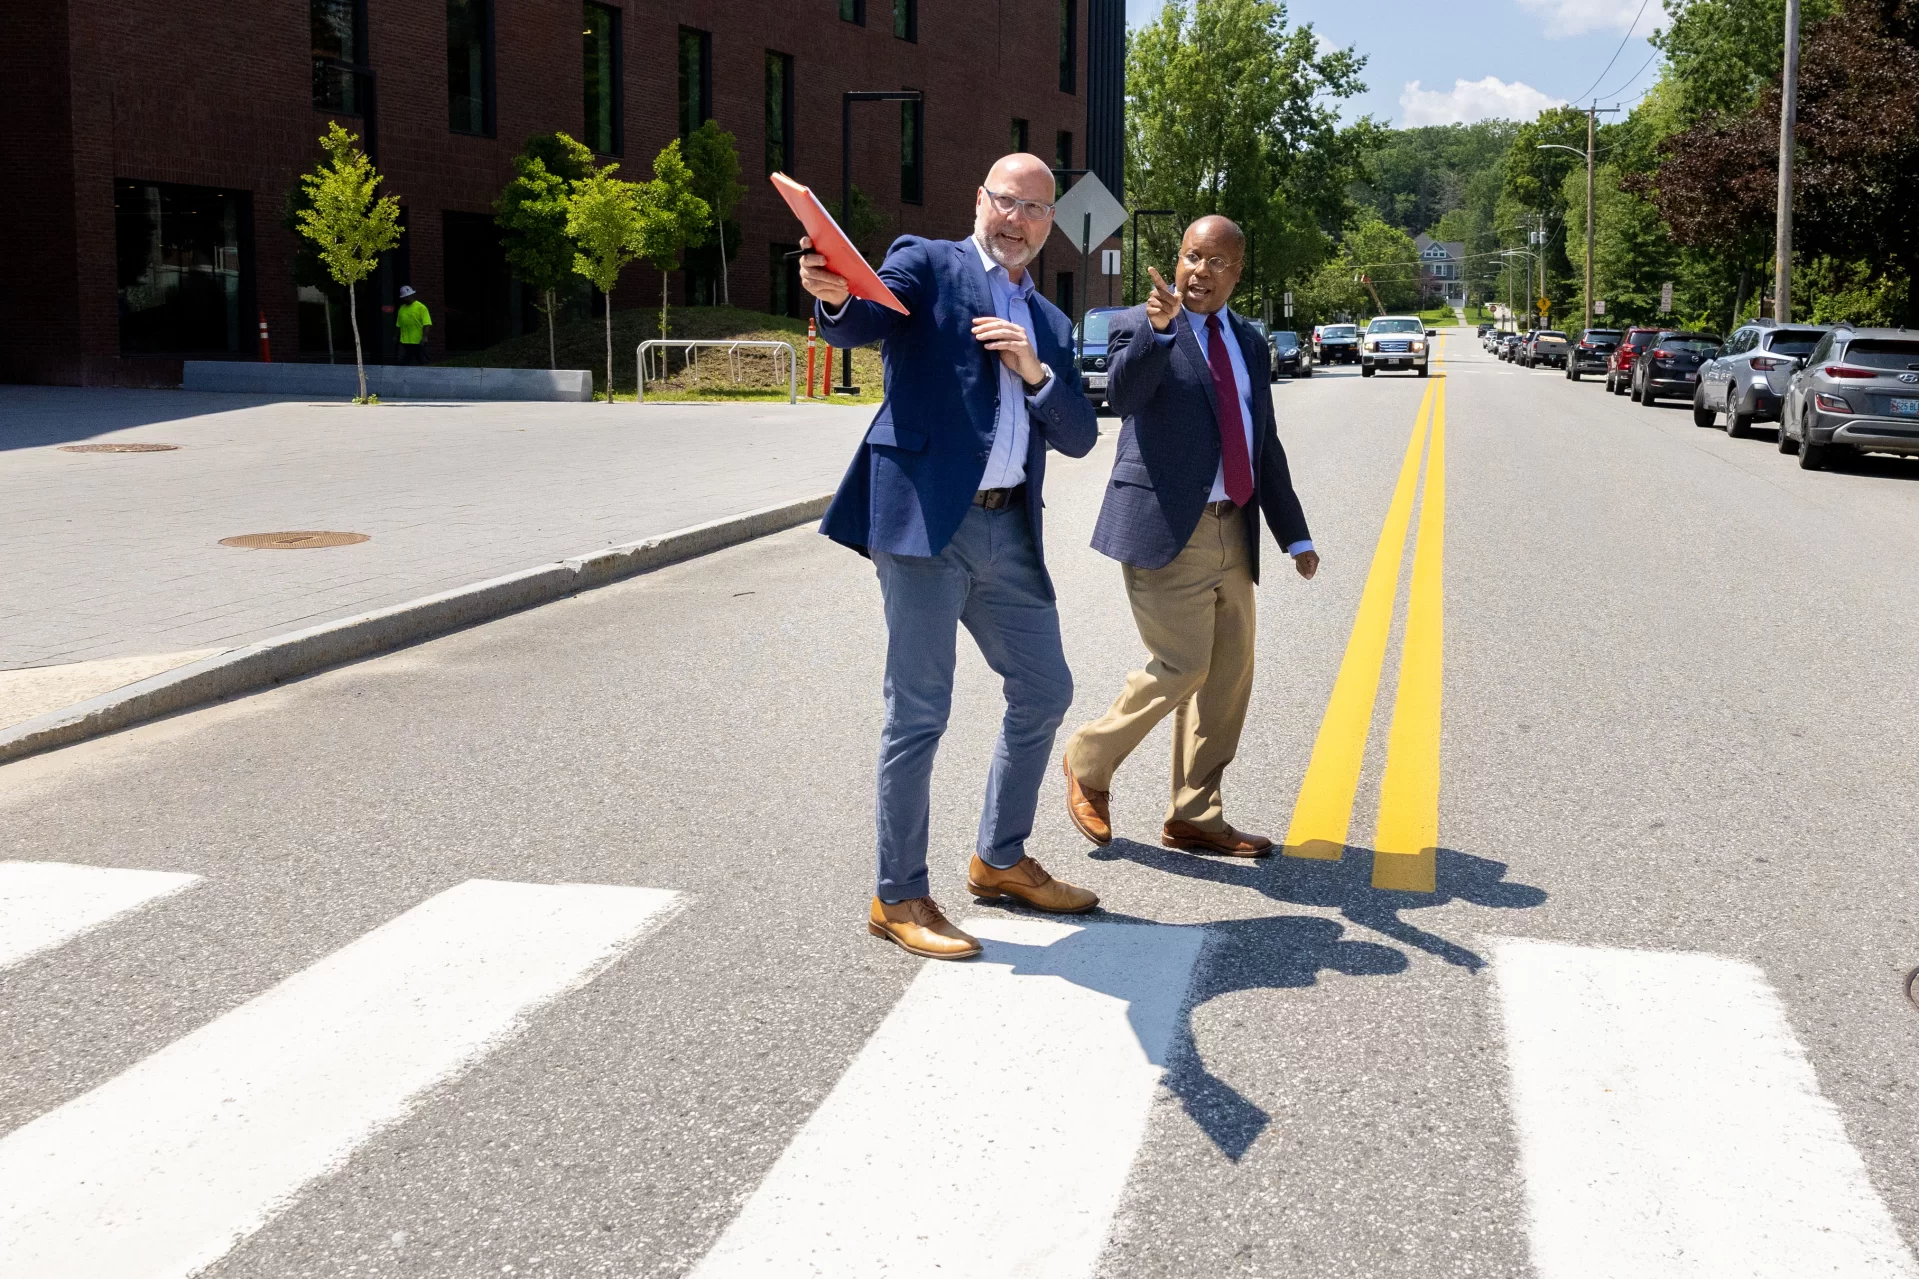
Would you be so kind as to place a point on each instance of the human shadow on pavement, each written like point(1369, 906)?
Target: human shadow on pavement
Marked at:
point(1277, 952)
point(1346, 886)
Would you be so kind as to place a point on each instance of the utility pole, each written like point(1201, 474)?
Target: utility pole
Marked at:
point(1788, 118)
point(1592, 113)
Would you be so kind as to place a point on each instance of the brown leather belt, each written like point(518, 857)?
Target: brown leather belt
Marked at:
point(1221, 508)
point(999, 499)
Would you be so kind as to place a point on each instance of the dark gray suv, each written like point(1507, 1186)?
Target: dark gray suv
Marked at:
point(1858, 391)
point(1748, 381)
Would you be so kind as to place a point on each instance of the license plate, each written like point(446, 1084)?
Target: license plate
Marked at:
point(1095, 381)
point(1395, 363)
point(1906, 408)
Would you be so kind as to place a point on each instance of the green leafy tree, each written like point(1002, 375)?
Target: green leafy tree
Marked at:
point(531, 214)
point(606, 222)
point(309, 272)
point(673, 218)
point(715, 165)
point(866, 227)
point(349, 223)
point(1230, 110)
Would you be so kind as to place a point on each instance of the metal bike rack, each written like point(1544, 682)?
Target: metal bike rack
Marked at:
point(690, 345)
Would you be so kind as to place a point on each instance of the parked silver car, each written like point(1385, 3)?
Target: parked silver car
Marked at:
point(1747, 382)
point(1858, 391)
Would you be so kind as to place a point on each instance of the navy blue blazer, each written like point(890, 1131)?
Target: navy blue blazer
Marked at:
point(1169, 444)
point(913, 479)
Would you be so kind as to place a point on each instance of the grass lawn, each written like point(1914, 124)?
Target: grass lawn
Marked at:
point(581, 344)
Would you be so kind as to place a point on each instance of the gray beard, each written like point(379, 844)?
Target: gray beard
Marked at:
point(992, 251)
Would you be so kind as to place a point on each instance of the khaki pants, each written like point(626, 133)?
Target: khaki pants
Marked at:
point(1197, 618)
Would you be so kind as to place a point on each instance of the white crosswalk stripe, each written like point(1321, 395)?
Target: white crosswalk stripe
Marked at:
point(1671, 1127)
point(1021, 1080)
point(163, 1169)
point(47, 904)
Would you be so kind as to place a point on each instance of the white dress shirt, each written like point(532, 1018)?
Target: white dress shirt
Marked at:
point(1242, 382)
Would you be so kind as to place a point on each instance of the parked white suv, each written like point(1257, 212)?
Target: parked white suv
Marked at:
point(1394, 342)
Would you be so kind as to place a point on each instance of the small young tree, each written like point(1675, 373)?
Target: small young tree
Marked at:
point(715, 163)
point(605, 221)
point(531, 213)
point(348, 222)
point(673, 217)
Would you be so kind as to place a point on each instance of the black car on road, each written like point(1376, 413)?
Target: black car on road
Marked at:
point(1670, 365)
point(1288, 358)
point(1592, 352)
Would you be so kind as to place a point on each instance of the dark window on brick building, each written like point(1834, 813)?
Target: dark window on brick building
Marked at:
point(469, 66)
point(1022, 132)
point(1063, 291)
point(906, 19)
point(853, 11)
point(779, 112)
point(339, 53)
point(1068, 45)
point(476, 302)
point(601, 32)
point(784, 295)
point(696, 79)
point(1062, 159)
point(181, 267)
point(912, 151)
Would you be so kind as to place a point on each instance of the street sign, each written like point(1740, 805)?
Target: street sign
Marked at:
point(1599, 307)
point(1665, 297)
point(1088, 214)
point(1544, 306)
point(1109, 262)
point(1289, 301)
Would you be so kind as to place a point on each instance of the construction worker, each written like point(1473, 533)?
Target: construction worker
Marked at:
point(414, 320)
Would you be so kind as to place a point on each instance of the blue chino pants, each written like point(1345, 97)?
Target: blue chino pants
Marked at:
point(988, 579)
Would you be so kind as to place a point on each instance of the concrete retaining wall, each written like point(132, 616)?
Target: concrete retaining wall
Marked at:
point(388, 381)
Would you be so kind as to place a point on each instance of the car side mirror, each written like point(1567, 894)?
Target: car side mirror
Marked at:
point(1432, 333)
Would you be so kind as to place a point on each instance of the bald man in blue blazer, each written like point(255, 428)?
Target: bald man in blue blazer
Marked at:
point(944, 497)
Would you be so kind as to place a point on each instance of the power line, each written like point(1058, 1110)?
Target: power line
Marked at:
point(1616, 52)
point(1635, 76)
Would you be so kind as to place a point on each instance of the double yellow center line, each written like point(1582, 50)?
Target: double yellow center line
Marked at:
point(1406, 835)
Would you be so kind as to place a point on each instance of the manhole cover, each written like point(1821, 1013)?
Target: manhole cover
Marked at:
point(1912, 987)
point(118, 448)
point(294, 541)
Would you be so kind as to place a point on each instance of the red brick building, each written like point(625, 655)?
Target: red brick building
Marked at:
point(149, 146)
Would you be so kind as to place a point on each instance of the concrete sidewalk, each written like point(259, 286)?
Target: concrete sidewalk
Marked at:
point(114, 569)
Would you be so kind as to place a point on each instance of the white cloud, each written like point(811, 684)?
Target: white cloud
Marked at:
point(1583, 17)
point(1472, 100)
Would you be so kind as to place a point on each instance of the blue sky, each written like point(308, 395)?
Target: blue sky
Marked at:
point(1474, 59)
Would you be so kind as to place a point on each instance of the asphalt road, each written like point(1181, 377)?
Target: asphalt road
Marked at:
point(1675, 757)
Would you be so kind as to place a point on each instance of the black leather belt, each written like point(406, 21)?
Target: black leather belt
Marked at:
point(999, 499)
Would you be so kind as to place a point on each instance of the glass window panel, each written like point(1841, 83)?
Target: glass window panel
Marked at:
point(912, 161)
point(853, 11)
point(338, 30)
point(779, 112)
point(1068, 44)
point(906, 25)
point(600, 33)
point(696, 92)
point(177, 256)
point(469, 66)
point(1021, 130)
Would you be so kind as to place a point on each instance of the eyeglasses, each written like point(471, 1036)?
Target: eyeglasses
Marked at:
point(1032, 210)
point(1192, 259)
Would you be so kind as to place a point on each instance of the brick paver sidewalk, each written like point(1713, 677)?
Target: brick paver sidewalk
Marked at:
point(118, 555)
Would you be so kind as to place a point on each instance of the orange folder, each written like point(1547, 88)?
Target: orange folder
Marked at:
point(842, 259)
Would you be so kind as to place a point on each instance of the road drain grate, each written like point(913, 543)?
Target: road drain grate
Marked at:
point(118, 448)
point(302, 540)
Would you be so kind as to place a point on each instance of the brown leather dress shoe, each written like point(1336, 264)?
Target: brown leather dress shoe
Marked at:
point(919, 927)
point(1090, 809)
point(1029, 882)
point(1230, 842)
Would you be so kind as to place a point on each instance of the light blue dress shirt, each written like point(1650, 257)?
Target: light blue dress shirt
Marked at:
point(1006, 464)
point(1242, 382)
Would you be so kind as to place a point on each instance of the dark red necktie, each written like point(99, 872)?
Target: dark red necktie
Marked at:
point(1232, 428)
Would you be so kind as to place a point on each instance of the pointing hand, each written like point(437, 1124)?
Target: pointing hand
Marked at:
point(1164, 304)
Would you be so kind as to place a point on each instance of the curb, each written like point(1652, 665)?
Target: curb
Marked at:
point(252, 667)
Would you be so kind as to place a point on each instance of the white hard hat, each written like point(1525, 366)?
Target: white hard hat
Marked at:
point(406, 290)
